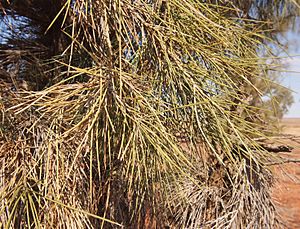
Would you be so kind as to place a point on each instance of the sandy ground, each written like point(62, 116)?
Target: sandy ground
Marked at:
point(286, 192)
point(291, 126)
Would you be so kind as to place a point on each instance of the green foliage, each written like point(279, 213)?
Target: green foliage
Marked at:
point(133, 115)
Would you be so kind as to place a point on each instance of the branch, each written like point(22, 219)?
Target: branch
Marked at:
point(284, 136)
point(284, 162)
point(277, 149)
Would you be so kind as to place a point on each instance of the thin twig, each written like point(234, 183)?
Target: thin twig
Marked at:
point(284, 162)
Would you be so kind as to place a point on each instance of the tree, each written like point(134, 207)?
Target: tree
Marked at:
point(132, 115)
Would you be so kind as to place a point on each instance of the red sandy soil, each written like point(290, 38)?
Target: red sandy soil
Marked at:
point(286, 191)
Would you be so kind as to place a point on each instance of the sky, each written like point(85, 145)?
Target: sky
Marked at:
point(291, 78)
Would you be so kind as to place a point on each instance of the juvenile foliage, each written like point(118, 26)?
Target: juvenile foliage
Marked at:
point(135, 114)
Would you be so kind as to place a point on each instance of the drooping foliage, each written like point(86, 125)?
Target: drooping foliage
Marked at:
point(133, 113)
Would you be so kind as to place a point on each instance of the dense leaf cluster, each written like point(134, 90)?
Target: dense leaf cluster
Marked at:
point(134, 113)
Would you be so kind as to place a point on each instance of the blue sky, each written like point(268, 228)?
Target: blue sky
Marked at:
point(292, 81)
point(291, 78)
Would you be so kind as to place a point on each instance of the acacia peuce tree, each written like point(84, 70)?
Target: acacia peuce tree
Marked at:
point(133, 113)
